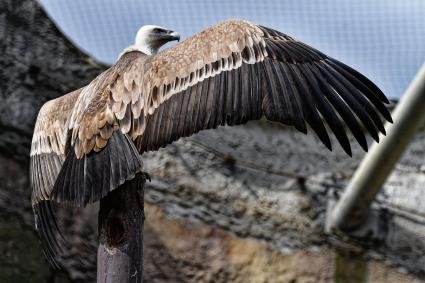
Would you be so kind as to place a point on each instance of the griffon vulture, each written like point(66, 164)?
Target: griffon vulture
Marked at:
point(88, 142)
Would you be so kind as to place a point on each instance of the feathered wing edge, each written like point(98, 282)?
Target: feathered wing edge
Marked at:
point(46, 159)
point(78, 181)
point(90, 178)
point(299, 85)
point(295, 84)
point(52, 240)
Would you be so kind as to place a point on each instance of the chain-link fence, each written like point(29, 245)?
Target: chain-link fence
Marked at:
point(385, 39)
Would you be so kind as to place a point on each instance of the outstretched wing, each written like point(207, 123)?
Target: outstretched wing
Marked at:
point(47, 155)
point(228, 74)
point(238, 71)
point(100, 118)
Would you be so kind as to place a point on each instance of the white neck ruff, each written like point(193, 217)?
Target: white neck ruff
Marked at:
point(142, 49)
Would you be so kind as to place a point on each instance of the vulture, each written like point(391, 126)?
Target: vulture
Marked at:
point(88, 142)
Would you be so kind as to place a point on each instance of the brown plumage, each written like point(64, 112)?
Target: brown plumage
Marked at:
point(46, 159)
point(228, 74)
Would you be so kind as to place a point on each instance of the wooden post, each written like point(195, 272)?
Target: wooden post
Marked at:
point(121, 216)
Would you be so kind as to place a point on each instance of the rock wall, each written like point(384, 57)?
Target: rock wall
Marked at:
point(242, 204)
point(270, 183)
point(38, 64)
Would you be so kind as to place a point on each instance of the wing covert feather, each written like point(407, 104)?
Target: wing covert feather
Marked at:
point(230, 73)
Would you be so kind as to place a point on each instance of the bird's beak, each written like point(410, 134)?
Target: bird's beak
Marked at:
point(173, 35)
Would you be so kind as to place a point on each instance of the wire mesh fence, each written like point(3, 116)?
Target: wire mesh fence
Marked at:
point(384, 39)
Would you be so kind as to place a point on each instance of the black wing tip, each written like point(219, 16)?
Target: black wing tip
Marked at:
point(383, 97)
point(327, 143)
point(386, 113)
point(347, 148)
point(349, 152)
point(371, 99)
point(374, 135)
point(364, 147)
point(52, 239)
point(301, 128)
point(373, 95)
point(92, 177)
point(363, 79)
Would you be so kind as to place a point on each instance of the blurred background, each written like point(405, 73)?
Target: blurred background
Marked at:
point(241, 204)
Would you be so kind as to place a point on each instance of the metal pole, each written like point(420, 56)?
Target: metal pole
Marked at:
point(352, 209)
point(121, 216)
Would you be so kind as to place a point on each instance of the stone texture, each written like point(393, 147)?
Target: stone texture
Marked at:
point(242, 204)
point(202, 253)
point(38, 64)
point(267, 192)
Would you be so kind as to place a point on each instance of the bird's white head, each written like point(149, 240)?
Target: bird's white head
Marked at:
point(150, 38)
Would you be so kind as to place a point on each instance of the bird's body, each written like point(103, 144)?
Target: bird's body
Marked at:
point(228, 74)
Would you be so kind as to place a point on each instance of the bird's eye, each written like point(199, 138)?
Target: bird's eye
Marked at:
point(157, 30)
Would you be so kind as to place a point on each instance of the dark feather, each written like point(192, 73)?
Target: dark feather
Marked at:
point(368, 83)
point(119, 157)
point(289, 91)
point(210, 103)
point(44, 169)
point(309, 104)
point(341, 107)
point(352, 102)
point(229, 97)
point(52, 240)
point(237, 95)
point(295, 84)
point(325, 109)
point(358, 81)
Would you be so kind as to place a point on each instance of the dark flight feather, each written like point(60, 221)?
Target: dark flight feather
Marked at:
point(93, 176)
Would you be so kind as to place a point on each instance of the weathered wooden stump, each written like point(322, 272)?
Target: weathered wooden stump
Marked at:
point(121, 217)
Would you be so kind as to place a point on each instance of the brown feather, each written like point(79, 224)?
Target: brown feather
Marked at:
point(230, 73)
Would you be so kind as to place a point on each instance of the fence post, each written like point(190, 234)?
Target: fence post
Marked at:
point(121, 216)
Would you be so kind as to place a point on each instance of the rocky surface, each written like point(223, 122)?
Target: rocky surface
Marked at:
point(241, 204)
point(271, 183)
point(195, 252)
point(38, 64)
